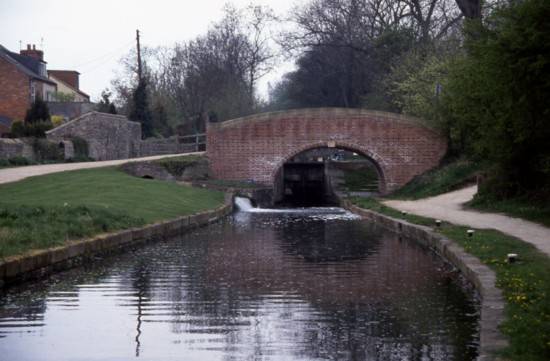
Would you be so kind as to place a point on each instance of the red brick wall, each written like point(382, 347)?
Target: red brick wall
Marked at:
point(68, 76)
point(255, 148)
point(14, 91)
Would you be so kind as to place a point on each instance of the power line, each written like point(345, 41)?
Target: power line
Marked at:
point(106, 55)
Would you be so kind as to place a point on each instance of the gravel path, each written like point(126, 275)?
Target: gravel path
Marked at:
point(449, 207)
point(18, 173)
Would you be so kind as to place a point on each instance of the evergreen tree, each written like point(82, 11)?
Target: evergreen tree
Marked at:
point(112, 109)
point(38, 112)
point(160, 119)
point(140, 111)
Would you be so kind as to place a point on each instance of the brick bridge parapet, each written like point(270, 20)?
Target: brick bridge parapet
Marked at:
point(254, 148)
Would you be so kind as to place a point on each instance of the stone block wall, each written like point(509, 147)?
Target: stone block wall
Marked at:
point(10, 148)
point(109, 136)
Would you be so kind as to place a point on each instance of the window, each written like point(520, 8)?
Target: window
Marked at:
point(33, 92)
point(42, 69)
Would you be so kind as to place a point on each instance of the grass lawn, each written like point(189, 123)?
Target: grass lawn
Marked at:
point(47, 210)
point(361, 180)
point(444, 179)
point(517, 207)
point(525, 284)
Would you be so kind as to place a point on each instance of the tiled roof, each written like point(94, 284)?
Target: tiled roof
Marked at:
point(26, 64)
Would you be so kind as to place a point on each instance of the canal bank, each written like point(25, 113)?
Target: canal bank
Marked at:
point(41, 263)
point(55, 221)
point(268, 284)
point(492, 341)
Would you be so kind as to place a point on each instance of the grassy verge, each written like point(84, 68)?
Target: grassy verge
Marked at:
point(233, 184)
point(361, 180)
point(444, 179)
point(43, 211)
point(23, 228)
point(177, 165)
point(525, 284)
point(517, 207)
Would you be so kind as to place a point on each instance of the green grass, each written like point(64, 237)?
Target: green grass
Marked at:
point(360, 180)
point(525, 284)
point(176, 165)
point(440, 180)
point(516, 207)
point(97, 194)
point(374, 205)
point(233, 184)
point(23, 228)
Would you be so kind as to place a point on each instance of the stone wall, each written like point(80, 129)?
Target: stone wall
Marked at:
point(255, 148)
point(10, 148)
point(109, 136)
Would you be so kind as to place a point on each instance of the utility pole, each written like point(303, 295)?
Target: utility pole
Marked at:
point(138, 56)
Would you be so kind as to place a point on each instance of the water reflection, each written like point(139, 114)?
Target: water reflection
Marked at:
point(256, 287)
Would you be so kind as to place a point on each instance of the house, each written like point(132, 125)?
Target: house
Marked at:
point(68, 86)
point(5, 125)
point(23, 77)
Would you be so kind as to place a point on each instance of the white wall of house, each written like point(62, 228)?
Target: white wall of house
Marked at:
point(62, 87)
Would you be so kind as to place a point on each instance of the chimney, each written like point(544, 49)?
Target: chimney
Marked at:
point(33, 52)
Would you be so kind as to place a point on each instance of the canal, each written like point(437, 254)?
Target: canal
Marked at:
point(314, 284)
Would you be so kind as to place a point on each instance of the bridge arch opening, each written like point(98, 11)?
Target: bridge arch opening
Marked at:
point(316, 175)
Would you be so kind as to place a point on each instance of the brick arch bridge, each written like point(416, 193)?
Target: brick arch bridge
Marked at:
point(254, 148)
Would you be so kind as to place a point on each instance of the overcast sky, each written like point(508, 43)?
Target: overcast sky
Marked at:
point(91, 36)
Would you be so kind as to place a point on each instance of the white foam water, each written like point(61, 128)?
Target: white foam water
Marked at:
point(245, 205)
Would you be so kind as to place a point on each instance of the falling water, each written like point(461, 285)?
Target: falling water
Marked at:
point(245, 205)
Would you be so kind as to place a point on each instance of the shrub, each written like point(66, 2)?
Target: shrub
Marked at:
point(36, 129)
point(18, 161)
point(176, 166)
point(57, 120)
point(47, 151)
point(80, 146)
point(38, 112)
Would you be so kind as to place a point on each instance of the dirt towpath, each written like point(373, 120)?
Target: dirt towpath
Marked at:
point(18, 173)
point(449, 207)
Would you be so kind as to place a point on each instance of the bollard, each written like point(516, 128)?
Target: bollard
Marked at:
point(512, 257)
point(438, 222)
point(404, 213)
point(470, 233)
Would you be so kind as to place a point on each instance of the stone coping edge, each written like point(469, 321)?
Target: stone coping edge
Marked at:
point(41, 263)
point(481, 276)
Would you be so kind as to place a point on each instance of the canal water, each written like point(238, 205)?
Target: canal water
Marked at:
point(316, 284)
